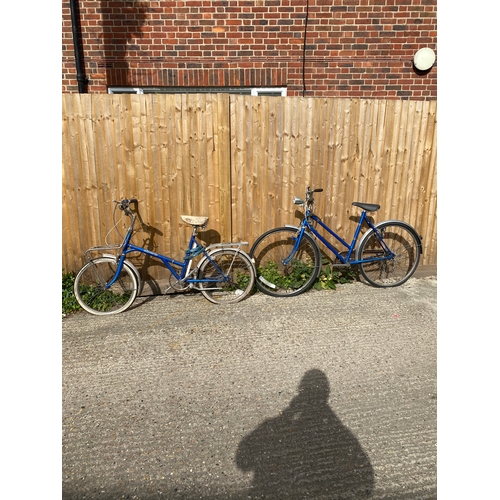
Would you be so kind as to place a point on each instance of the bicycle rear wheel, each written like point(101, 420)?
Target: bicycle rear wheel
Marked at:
point(235, 282)
point(404, 243)
point(92, 294)
point(273, 276)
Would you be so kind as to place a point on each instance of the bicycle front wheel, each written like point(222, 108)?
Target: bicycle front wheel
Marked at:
point(91, 289)
point(231, 278)
point(402, 241)
point(285, 280)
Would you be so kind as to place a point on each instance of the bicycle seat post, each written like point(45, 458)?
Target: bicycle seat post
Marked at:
point(195, 236)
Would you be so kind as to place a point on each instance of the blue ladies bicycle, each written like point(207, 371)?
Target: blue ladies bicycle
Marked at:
point(109, 283)
point(288, 259)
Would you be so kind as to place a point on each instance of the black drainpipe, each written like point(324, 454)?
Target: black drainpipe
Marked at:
point(75, 23)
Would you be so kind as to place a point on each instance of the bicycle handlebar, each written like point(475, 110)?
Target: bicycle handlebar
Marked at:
point(309, 198)
point(310, 191)
point(125, 204)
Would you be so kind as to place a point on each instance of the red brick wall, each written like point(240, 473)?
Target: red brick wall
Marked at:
point(358, 48)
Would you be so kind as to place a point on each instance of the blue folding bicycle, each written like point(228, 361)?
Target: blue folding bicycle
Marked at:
point(109, 283)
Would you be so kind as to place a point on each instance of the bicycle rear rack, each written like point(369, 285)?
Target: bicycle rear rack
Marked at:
point(227, 245)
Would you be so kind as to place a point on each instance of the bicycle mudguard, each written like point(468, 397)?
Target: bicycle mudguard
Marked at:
point(407, 226)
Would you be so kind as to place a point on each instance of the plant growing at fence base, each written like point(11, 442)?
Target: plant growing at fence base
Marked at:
point(327, 280)
point(69, 302)
point(105, 299)
point(329, 277)
point(298, 272)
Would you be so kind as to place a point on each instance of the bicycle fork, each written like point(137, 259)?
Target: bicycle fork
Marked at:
point(119, 262)
point(298, 239)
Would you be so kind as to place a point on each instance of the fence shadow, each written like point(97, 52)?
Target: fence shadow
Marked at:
point(306, 451)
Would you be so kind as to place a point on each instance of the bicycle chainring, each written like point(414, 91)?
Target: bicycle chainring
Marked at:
point(177, 285)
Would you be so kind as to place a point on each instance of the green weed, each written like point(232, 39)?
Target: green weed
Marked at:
point(298, 272)
point(69, 302)
point(330, 277)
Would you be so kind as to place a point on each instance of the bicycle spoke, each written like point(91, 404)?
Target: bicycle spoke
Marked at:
point(91, 289)
point(236, 280)
point(281, 271)
point(395, 270)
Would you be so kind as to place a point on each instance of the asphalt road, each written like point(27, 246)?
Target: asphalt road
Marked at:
point(328, 395)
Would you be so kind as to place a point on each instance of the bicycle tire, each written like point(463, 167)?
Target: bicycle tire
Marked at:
point(90, 291)
point(234, 264)
point(403, 241)
point(277, 279)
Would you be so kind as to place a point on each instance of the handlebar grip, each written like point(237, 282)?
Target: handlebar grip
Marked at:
point(318, 190)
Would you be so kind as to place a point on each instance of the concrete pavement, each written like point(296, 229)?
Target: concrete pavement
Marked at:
point(328, 395)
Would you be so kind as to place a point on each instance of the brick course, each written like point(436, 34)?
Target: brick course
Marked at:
point(359, 48)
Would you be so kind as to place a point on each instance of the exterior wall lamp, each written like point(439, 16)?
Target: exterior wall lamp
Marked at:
point(424, 59)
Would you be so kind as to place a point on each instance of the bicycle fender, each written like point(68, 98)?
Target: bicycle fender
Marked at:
point(401, 223)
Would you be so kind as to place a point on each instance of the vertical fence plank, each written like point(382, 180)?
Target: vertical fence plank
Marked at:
point(427, 223)
point(212, 166)
point(417, 142)
point(241, 132)
point(377, 148)
point(70, 160)
point(224, 160)
point(288, 187)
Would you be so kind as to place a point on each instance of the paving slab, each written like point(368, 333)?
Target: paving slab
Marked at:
point(327, 395)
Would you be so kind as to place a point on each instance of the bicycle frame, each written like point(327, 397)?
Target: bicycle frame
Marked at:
point(306, 225)
point(181, 270)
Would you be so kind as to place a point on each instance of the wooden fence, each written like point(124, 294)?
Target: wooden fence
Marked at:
point(240, 160)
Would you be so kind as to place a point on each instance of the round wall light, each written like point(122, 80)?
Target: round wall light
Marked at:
point(424, 59)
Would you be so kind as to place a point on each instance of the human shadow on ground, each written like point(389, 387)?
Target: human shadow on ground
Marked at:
point(306, 451)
